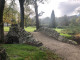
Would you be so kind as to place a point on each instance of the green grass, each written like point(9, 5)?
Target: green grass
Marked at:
point(27, 52)
point(6, 29)
point(31, 29)
point(58, 30)
point(28, 29)
point(62, 34)
point(66, 35)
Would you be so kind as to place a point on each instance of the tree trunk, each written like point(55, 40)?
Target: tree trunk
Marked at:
point(22, 13)
point(36, 11)
point(2, 3)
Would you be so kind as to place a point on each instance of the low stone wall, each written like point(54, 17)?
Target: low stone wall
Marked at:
point(52, 33)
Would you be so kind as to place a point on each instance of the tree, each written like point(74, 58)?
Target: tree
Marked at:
point(2, 3)
point(10, 13)
point(53, 23)
point(78, 20)
point(65, 20)
point(5, 15)
point(27, 12)
point(73, 21)
point(34, 2)
point(37, 18)
point(22, 13)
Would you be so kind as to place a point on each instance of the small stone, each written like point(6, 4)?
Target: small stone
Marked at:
point(72, 42)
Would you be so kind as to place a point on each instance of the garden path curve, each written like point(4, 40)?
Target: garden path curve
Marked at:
point(67, 51)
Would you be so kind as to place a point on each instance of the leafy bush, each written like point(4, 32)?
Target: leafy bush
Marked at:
point(63, 33)
point(77, 38)
point(72, 30)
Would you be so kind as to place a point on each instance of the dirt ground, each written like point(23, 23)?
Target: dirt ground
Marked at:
point(5, 33)
point(67, 51)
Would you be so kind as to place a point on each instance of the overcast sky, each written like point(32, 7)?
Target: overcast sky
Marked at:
point(60, 7)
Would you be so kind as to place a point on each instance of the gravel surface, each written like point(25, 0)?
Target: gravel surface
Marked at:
point(67, 51)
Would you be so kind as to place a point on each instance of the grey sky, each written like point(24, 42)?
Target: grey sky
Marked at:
point(60, 7)
point(68, 8)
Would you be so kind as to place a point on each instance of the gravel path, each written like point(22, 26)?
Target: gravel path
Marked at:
point(67, 51)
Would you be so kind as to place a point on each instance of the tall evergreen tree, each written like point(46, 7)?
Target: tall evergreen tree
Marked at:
point(2, 3)
point(66, 20)
point(53, 23)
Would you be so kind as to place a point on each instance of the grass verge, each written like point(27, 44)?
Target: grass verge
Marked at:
point(27, 52)
point(62, 34)
point(6, 29)
point(28, 29)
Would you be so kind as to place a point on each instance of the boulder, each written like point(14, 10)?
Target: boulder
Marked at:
point(62, 38)
point(3, 54)
point(20, 36)
point(72, 42)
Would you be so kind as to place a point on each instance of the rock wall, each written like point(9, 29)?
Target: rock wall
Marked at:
point(52, 33)
point(19, 35)
point(3, 54)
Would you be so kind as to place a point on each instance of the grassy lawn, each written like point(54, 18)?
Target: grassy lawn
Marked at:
point(27, 52)
point(66, 35)
point(59, 31)
point(28, 29)
point(6, 29)
point(31, 29)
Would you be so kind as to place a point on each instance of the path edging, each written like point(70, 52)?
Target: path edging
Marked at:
point(52, 33)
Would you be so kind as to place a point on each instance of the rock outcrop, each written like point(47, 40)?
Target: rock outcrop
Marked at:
point(3, 54)
point(19, 35)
